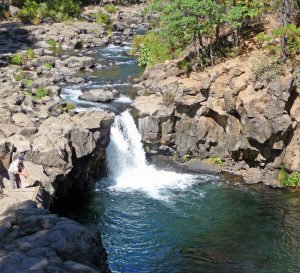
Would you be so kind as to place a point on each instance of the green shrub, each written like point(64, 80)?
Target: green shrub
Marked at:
point(265, 69)
point(40, 93)
point(296, 74)
point(168, 98)
point(214, 160)
point(59, 10)
point(109, 32)
point(293, 179)
point(52, 43)
point(29, 11)
point(17, 78)
point(16, 59)
point(111, 8)
point(282, 176)
point(186, 157)
point(30, 54)
point(48, 65)
point(102, 17)
point(218, 161)
point(70, 106)
point(154, 49)
point(184, 64)
point(146, 93)
point(27, 82)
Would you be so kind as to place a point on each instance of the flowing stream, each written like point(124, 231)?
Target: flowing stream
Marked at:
point(156, 220)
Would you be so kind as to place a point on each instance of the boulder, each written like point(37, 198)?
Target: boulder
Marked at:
point(13, 11)
point(44, 242)
point(119, 26)
point(97, 95)
point(79, 62)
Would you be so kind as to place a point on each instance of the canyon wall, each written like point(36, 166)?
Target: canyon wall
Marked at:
point(222, 113)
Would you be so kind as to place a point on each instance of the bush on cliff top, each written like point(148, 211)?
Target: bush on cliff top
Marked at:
point(152, 49)
point(265, 68)
point(102, 17)
point(58, 10)
point(111, 8)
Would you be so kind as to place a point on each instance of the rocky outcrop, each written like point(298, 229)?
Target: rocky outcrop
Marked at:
point(33, 240)
point(98, 95)
point(221, 113)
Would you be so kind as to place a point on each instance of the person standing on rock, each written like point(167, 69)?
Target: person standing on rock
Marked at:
point(16, 169)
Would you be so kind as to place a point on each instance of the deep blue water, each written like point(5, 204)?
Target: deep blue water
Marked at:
point(211, 226)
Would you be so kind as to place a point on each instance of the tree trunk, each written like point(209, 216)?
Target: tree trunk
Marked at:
point(238, 35)
point(217, 33)
point(197, 50)
point(201, 46)
point(211, 52)
point(284, 16)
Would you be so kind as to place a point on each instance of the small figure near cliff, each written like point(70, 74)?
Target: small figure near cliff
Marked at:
point(16, 169)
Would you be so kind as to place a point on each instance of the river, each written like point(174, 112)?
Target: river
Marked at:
point(156, 220)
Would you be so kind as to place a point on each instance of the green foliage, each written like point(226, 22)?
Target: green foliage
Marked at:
point(242, 10)
point(70, 106)
point(29, 11)
point(109, 32)
point(293, 179)
point(153, 49)
point(48, 65)
point(296, 74)
point(146, 93)
point(17, 78)
point(102, 17)
point(186, 157)
point(283, 176)
point(288, 180)
point(40, 93)
point(58, 10)
point(199, 22)
point(291, 32)
point(266, 69)
point(16, 59)
point(214, 160)
point(27, 82)
point(218, 161)
point(30, 53)
point(111, 8)
point(52, 43)
point(168, 98)
point(184, 64)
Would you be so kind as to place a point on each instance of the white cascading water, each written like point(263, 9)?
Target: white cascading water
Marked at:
point(128, 168)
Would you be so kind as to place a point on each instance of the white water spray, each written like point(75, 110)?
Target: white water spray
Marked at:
point(128, 168)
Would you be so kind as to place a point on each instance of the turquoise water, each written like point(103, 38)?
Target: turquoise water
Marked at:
point(158, 222)
point(211, 226)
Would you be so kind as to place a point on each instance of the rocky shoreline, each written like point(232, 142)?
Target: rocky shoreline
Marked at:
point(64, 151)
point(223, 114)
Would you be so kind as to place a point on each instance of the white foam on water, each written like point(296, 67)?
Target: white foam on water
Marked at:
point(123, 99)
point(71, 93)
point(94, 86)
point(129, 170)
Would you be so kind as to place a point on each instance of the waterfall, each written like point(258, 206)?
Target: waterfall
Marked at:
point(125, 152)
point(128, 169)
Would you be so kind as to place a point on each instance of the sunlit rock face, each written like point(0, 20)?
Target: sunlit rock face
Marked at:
point(222, 113)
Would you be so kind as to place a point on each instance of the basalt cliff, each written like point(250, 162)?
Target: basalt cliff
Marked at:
point(222, 113)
